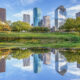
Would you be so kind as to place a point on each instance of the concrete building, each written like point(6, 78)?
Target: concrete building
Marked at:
point(60, 16)
point(37, 16)
point(78, 14)
point(3, 14)
point(2, 65)
point(46, 21)
point(60, 63)
point(26, 62)
point(47, 58)
point(26, 18)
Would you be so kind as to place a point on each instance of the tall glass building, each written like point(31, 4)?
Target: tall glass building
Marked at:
point(37, 16)
point(60, 16)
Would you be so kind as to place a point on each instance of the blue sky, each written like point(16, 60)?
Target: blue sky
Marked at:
point(16, 8)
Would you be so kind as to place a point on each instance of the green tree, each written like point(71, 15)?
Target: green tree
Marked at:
point(40, 29)
point(20, 26)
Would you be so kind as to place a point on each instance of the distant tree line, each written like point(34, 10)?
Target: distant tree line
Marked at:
point(20, 26)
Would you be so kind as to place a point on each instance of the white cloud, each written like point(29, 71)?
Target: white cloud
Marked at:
point(20, 14)
point(24, 2)
point(71, 11)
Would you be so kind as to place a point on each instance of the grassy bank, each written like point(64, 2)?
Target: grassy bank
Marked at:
point(52, 40)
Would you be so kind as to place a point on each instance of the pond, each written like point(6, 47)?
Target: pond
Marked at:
point(39, 64)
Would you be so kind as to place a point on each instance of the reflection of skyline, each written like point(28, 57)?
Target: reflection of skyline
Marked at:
point(60, 63)
point(26, 62)
point(2, 65)
point(78, 65)
point(47, 58)
point(36, 63)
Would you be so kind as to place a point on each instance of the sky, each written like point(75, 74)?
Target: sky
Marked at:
point(16, 8)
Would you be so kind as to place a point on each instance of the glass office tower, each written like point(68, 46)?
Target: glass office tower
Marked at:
point(37, 16)
point(60, 16)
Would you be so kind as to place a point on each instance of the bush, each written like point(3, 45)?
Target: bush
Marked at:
point(39, 29)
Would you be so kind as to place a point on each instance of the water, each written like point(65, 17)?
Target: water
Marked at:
point(39, 64)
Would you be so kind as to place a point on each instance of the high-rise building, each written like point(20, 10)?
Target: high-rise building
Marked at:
point(2, 65)
point(26, 18)
point(78, 14)
point(2, 14)
point(26, 62)
point(37, 63)
point(60, 16)
point(37, 16)
point(60, 63)
point(47, 58)
point(46, 21)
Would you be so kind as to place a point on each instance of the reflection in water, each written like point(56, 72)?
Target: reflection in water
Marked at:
point(47, 58)
point(25, 63)
point(60, 63)
point(2, 65)
point(37, 63)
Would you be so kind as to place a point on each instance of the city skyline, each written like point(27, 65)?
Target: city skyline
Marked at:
point(16, 10)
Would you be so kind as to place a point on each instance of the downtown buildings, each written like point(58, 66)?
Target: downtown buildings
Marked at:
point(37, 17)
point(60, 16)
point(26, 18)
point(78, 14)
point(3, 14)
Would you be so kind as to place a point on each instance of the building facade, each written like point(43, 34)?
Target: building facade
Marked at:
point(46, 21)
point(37, 16)
point(26, 18)
point(60, 16)
point(3, 14)
point(78, 14)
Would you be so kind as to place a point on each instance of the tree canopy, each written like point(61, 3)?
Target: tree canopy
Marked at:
point(20, 26)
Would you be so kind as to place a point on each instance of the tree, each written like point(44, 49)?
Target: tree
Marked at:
point(4, 27)
point(40, 29)
point(20, 26)
point(69, 25)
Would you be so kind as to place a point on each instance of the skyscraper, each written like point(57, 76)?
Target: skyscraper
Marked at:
point(60, 63)
point(78, 14)
point(46, 21)
point(2, 14)
point(47, 58)
point(2, 65)
point(26, 62)
point(37, 16)
point(26, 18)
point(60, 16)
point(37, 63)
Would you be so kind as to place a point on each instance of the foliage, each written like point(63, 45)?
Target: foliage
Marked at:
point(40, 29)
point(4, 27)
point(72, 55)
point(71, 25)
point(20, 26)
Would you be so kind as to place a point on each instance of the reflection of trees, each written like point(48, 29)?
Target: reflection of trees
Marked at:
point(71, 55)
point(39, 50)
point(20, 54)
point(4, 53)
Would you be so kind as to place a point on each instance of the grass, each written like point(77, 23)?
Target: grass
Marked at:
point(52, 40)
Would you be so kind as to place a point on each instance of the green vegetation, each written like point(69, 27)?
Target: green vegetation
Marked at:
point(40, 29)
point(72, 55)
point(20, 26)
point(71, 25)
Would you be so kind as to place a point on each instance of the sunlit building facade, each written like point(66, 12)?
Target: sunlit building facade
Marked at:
point(46, 21)
point(3, 14)
point(60, 16)
point(37, 16)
